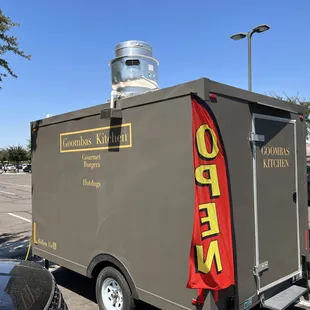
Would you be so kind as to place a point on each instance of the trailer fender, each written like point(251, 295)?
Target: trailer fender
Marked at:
point(103, 260)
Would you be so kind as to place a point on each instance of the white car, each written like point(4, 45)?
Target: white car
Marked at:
point(10, 168)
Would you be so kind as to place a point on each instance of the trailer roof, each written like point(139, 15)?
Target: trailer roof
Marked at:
point(244, 95)
point(202, 87)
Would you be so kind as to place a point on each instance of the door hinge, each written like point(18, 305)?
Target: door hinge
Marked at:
point(256, 138)
point(260, 268)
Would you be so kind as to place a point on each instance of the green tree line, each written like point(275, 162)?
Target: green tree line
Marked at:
point(297, 100)
point(15, 154)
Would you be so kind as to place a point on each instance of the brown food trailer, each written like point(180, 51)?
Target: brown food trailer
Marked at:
point(119, 199)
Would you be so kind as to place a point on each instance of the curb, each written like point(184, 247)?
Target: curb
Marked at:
point(14, 173)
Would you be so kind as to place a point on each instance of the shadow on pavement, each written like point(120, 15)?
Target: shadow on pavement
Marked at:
point(76, 283)
point(84, 286)
point(10, 237)
point(14, 245)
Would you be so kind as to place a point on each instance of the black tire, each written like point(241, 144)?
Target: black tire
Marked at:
point(110, 272)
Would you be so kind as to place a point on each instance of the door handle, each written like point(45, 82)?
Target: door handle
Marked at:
point(294, 196)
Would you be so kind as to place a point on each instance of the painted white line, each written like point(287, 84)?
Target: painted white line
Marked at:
point(8, 193)
point(20, 217)
point(14, 184)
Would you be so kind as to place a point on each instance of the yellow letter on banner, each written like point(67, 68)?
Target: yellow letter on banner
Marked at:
point(212, 180)
point(210, 209)
point(201, 142)
point(213, 253)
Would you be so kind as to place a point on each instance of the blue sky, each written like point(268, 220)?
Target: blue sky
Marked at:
point(72, 41)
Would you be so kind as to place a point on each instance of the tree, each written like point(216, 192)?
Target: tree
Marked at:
point(3, 156)
point(28, 148)
point(8, 44)
point(29, 145)
point(17, 154)
point(297, 100)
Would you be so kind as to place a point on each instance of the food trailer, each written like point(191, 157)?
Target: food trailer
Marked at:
point(187, 197)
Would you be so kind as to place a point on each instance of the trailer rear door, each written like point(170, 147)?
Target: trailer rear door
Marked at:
point(275, 201)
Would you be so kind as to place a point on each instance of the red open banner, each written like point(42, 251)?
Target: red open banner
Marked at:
point(211, 263)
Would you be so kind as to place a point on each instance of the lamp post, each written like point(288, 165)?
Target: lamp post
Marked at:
point(242, 35)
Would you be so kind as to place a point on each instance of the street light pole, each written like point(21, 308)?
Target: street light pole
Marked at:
point(248, 35)
point(249, 61)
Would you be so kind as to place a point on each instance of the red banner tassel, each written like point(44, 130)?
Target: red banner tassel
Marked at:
point(200, 298)
point(216, 296)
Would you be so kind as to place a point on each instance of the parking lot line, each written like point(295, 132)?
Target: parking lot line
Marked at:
point(8, 193)
point(14, 184)
point(20, 217)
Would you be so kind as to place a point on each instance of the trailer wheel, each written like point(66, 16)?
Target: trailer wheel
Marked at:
point(112, 291)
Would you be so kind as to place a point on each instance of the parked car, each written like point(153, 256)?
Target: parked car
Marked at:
point(10, 168)
point(24, 166)
point(27, 168)
point(26, 285)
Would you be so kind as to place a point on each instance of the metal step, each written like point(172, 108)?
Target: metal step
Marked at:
point(285, 298)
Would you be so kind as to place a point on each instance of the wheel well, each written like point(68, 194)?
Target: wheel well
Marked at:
point(100, 266)
point(105, 260)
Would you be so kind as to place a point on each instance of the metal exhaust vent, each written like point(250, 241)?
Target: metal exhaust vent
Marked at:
point(134, 70)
